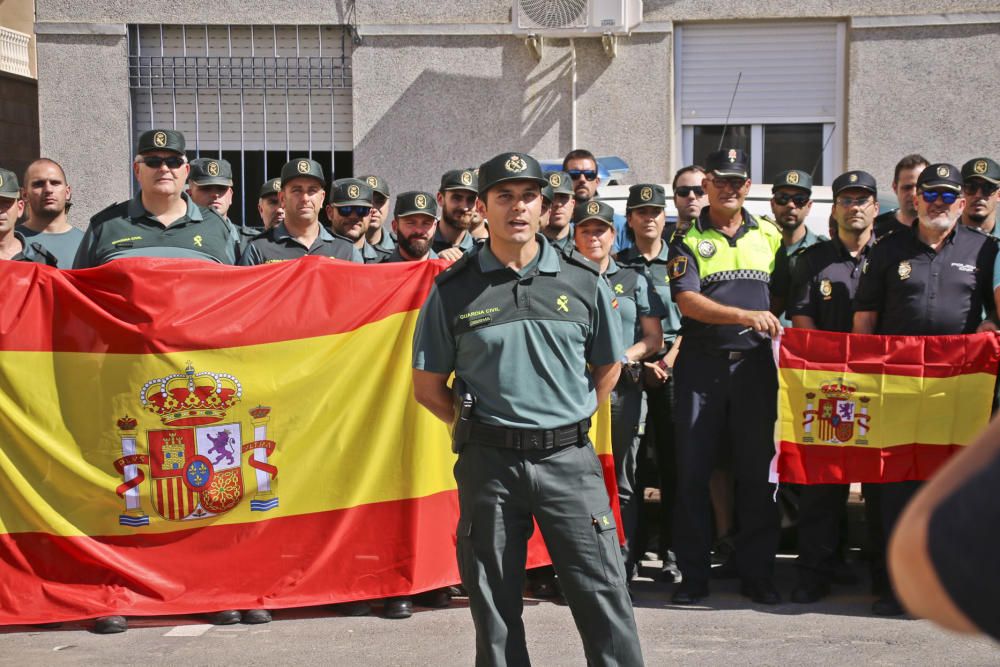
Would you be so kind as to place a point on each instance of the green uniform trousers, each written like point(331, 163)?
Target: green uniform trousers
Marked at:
point(626, 409)
point(500, 491)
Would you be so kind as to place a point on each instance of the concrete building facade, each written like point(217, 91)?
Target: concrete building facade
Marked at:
point(420, 88)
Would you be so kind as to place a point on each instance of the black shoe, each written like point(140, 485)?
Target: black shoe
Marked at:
point(397, 608)
point(843, 574)
point(227, 617)
point(359, 608)
point(761, 591)
point(110, 625)
point(47, 626)
point(809, 593)
point(727, 570)
point(543, 587)
point(887, 605)
point(723, 549)
point(436, 599)
point(689, 593)
point(457, 591)
point(256, 616)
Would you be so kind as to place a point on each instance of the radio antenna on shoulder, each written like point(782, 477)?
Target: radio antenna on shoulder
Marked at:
point(729, 113)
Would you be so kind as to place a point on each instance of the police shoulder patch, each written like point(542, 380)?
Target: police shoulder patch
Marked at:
point(677, 267)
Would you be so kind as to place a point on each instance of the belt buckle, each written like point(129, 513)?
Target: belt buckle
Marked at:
point(531, 440)
point(735, 355)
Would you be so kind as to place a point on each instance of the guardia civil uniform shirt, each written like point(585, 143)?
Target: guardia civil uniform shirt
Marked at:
point(919, 291)
point(127, 229)
point(494, 326)
point(62, 246)
point(741, 271)
point(793, 251)
point(395, 256)
point(634, 297)
point(277, 245)
point(441, 243)
point(659, 279)
point(565, 244)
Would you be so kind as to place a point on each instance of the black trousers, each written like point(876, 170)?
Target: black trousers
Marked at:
point(719, 400)
point(660, 435)
point(821, 513)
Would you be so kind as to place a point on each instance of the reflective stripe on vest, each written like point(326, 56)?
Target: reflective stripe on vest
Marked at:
point(752, 258)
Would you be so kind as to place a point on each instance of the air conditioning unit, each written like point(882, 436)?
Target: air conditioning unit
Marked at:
point(575, 18)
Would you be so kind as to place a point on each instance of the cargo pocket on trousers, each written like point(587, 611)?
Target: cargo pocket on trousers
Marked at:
point(606, 533)
point(463, 549)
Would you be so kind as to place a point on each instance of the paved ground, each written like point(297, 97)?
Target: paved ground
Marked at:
point(727, 630)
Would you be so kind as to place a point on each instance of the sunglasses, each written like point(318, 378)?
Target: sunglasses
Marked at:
point(360, 211)
point(589, 174)
point(782, 199)
point(685, 190)
point(734, 182)
point(931, 196)
point(848, 202)
point(155, 161)
point(972, 187)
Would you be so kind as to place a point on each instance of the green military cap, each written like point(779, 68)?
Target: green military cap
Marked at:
point(460, 179)
point(211, 171)
point(302, 167)
point(351, 192)
point(414, 202)
point(593, 209)
point(509, 167)
point(942, 175)
point(561, 182)
point(547, 193)
point(793, 178)
point(646, 194)
point(270, 187)
point(377, 184)
point(161, 140)
point(981, 167)
point(9, 188)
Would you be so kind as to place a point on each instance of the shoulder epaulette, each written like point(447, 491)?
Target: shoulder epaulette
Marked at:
point(681, 230)
point(457, 267)
point(107, 213)
point(41, 251)
point(888, 234)
point(980, 231)
point(577, 259)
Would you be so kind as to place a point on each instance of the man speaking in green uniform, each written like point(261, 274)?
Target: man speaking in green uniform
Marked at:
point(161, 220)
point(518, 324)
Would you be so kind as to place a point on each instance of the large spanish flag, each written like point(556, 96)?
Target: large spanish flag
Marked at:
point(856, 408)
point(181, 437)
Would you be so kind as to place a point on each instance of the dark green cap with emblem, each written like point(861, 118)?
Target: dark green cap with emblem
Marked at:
point(793, 178)
point(9, 188)
point(855, 179)
point(377, 184)
point(460, 179)
point(561, 182)
point(646, 194)
point(210, 171)
point(414, 202)
point(981, 167)
point(547, 193)
point(510, 167)
point(593, 209)
point(270, 187)
point(941, 175)
point(350, 192)
point(302, 167)
point(161, 140)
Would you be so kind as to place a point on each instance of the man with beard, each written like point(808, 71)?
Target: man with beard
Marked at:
point(350, 213)
point(824, 280)
point(13, 246)
point(904, 185)
point(268, 204)
point(558, 230)
point(211, 185)
point(932, 279)
point(581, 165)
point(981, 187)
point(790, 203)
point(377, 236)
point(300, 233)
point(414, 222)
point(689, 196)
point(47, 195)
point(458, 199)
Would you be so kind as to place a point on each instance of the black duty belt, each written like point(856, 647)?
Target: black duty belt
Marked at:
point(730, 355)
point(528, 439)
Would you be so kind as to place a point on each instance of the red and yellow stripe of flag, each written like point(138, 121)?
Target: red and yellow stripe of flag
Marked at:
point(856, 408)
point(285, 464)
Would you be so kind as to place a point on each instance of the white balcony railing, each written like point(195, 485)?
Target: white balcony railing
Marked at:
point(14, 52)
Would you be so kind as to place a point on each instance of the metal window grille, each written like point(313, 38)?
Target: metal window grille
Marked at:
point(254, 95)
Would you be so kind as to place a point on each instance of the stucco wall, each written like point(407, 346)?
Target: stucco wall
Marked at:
point(83, 113)
point(922, 90)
